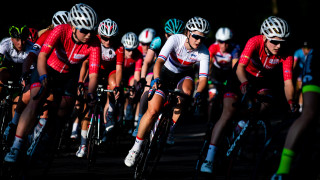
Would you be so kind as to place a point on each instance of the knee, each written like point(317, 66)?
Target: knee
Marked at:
point(153, 113)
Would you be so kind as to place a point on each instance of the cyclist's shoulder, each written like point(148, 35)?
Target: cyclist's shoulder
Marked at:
point(155, 43)
point(257, 39)
point(214, 47)
point(5, 42)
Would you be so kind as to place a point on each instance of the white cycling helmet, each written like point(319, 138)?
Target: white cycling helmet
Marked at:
point(275, 27)
point(224, 34)
point(198, 24)
point(108, 27)
point(130, 41)
point(60, 17)
point(147, 35)
point(83, 16)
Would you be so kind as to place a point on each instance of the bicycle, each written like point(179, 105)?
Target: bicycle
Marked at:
point(95, 131)
point(246, 144)
point(154, 144)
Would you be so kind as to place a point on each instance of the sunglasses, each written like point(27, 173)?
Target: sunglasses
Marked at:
point(106, 38)
point(86, 31)
point(276, 42)
point(197, 37)
point(222, 42)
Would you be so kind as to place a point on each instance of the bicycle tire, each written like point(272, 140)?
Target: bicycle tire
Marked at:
point(247, 150)
point(271, 152)
point(154, 150)
point(91, 154)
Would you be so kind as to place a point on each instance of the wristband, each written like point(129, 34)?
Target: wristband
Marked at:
point(244, 84)
point(42, 77)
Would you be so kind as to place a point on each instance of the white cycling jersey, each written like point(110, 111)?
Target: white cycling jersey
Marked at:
point(107, 54)
point(179, 59)
point(11, 54)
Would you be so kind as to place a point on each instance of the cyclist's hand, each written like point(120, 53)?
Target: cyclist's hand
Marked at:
point(142, 83)
point(116, 92)
point(44, 80)
point(294, 107)
point(80, 87)
point(155, 83)
point(91, 99)
point(197, 98)
point(244, 87)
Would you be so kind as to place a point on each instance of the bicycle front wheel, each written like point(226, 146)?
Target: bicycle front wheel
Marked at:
point(153, 151)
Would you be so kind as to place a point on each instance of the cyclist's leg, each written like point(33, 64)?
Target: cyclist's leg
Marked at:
point(311, 101)
point(82, 150)
point(26, 122)
point(187, 86)
point(227, 113)
point(129, 108)
point(109, 115)
point(145, 126)
point(143, 103)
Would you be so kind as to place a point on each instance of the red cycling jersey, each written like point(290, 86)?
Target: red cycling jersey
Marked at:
point(136, 60)
point(68, 52)
point(258, 62)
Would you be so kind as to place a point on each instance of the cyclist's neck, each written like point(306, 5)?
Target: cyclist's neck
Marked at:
point(75, 38)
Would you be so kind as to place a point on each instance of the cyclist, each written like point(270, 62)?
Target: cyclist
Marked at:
point(172, 26)
point(223, 56)
point(27, 68)
point(57, 67)
point(258, 66)
point(33, 36)
point(132, 64)
point(110, 75)
point(309, 115)
point(14, 51)
point(145, 39)
point(173, 69)
point(300, 56)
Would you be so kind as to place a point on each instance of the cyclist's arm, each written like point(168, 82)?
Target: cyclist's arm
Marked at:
point(93, 82)
point(94, 65)
point(42, 63)
point(28, 62)
point(241, 72)
point(146, 63)
point(84, 71)
point(203, 71)
point(288, 89)
point(234, 61)
point(137, 71)
point(287, 77)
point(157, 68)
point(118, 75)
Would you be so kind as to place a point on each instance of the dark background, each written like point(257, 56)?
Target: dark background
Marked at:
point(244, 17)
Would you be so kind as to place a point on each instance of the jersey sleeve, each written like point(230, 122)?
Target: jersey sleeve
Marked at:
point(212, 50)
point(120, 56)
point(52, 39)
point(94, 59)
point(167, 48)
point(251, 46)
point(287, 68)
point(138, 64)
point(4, 46)
point(204, 64)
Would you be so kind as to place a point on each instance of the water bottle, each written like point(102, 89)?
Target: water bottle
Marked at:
point(240, 126)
